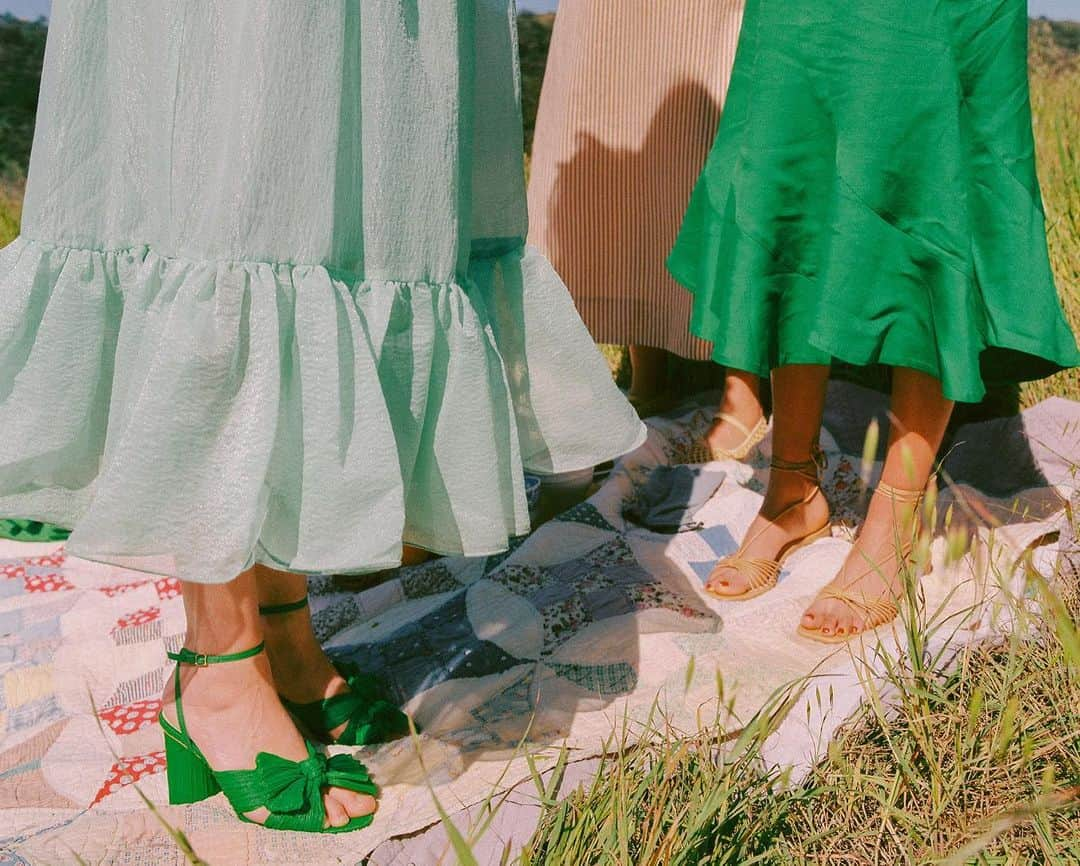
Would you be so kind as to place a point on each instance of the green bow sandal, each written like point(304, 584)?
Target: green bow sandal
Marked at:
point(290, 790)
point(367, 712)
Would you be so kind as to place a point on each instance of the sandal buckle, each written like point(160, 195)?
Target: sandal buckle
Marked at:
point(201, 660)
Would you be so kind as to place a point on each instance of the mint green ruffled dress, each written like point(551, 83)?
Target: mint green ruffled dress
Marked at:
point(272, 301)
point(871, 197)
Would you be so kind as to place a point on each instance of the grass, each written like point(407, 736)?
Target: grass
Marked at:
point(1055, 96)
point(11, 195)
point(971, 760)
point(22, 49)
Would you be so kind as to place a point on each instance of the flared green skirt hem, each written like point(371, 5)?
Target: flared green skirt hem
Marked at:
point(871, 197)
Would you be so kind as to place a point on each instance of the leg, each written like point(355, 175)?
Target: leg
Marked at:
point(232, 710)
point(873, 569)
point(742, 401)
point(799, 400)
point(301, 669)
point(359, 582)
point(648, 372)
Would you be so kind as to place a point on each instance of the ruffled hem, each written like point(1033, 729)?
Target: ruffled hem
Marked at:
point(849, 211)
point(193, 418)
point(763, 309)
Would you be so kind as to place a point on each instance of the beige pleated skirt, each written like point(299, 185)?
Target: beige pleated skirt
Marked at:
point(630, 106)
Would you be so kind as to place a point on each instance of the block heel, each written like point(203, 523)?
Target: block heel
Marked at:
point(189, 775)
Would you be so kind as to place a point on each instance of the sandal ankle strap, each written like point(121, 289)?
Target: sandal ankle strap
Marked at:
point(202, 660)
point(278, 609)
point(736, 423)
point(811, 469)
point(902, 496)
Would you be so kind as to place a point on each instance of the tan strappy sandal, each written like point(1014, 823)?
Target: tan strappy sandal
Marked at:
point(702, 452)
point(763, 574)
point(880, 611)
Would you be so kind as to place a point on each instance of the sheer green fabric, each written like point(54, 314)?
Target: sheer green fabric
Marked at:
point(272, 301)
point(871, 197)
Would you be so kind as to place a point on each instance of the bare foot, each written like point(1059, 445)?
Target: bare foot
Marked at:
point(233, 713)
point(776, 526)
point(873, 570)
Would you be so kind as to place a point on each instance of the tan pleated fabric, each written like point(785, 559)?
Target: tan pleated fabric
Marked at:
point(630, 106)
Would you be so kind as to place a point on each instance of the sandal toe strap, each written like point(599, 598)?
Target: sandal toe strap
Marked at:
point(873, 611)
point(344, 771)
point(291, 791)
point(759, 573)
point(702, 452)
point(736, 423)
point(369, 720)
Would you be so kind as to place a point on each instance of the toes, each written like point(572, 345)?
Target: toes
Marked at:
point(724, 586)
point(828, 625)
point(336, 816)
point(841, 625)
point(355, 805)
point(850, 627)
point(817, 618)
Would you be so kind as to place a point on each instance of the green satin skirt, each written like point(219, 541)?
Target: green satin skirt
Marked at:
point(871, 197)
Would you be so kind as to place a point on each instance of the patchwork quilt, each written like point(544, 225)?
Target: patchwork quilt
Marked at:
point(581, 628)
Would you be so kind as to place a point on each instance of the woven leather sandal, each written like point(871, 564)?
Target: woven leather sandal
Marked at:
point(763, 574)
point(702, 452)
point(874, 612)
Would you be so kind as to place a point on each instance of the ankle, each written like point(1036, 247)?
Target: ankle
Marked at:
point(291, 651)
point(213, 642)
point(297, 658)
point(790, 491)
point(749, 412)
point(221, 688)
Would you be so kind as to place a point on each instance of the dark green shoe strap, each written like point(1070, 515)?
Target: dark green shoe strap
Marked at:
point(275, 609)
point(202, 660)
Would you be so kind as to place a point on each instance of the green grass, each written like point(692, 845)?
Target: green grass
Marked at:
point(1055, 96)
point(22, 49)
point(11, 195)
point(970, 761)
